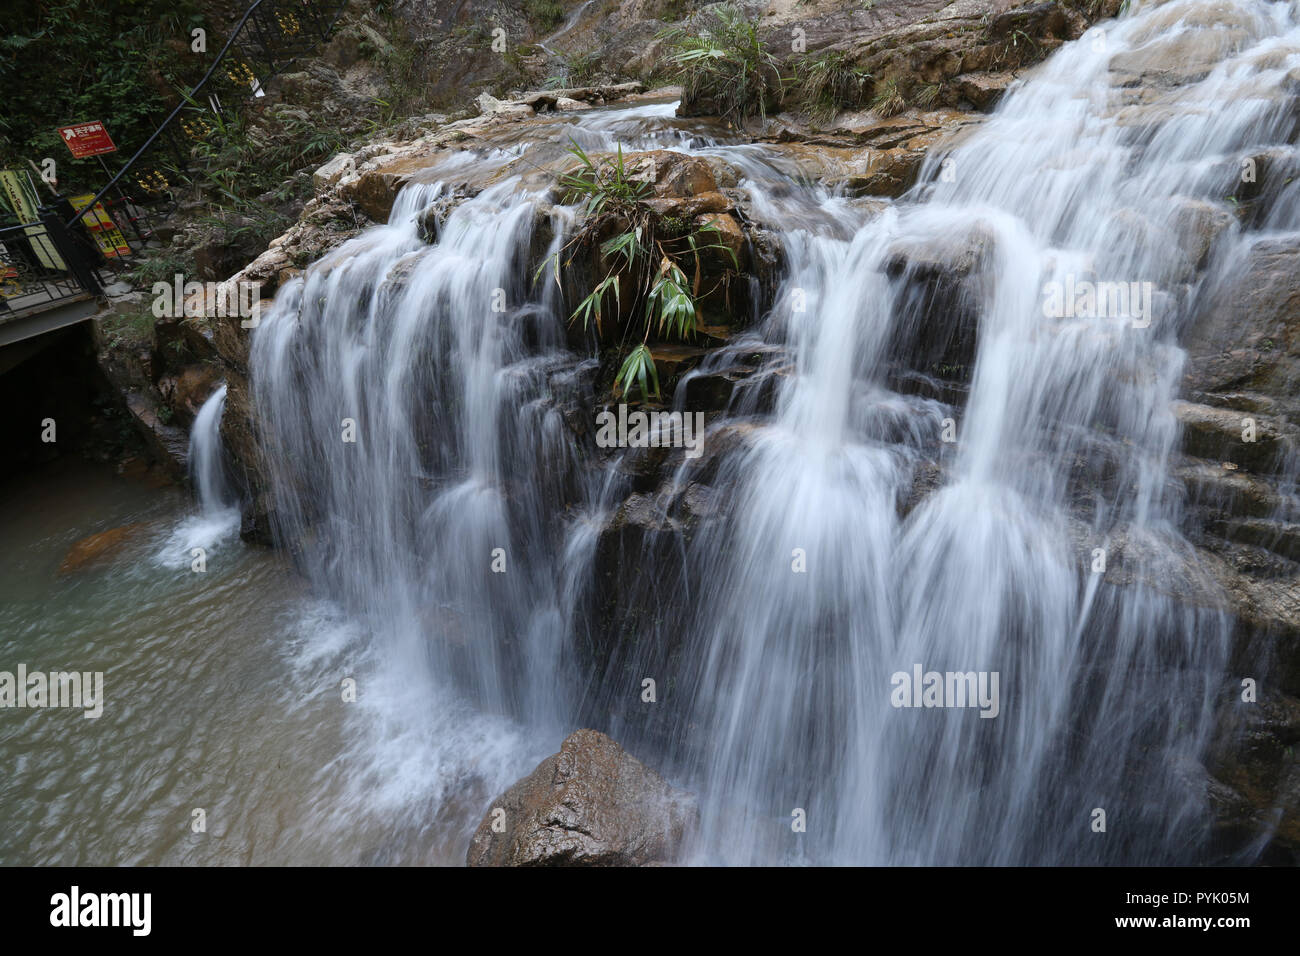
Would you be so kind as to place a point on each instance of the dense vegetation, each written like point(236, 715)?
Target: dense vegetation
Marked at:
point(66, 61)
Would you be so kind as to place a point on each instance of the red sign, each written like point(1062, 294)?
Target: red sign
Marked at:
point(87, 139)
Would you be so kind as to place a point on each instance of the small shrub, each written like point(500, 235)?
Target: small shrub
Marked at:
point(582, 68)
point(720, 57)
point(642, 263)
point(547, 14)
point(131, 330)
point(928, 96)
point(830, 82)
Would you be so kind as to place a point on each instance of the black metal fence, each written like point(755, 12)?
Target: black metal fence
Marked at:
point(34, 273)
point(46, 262)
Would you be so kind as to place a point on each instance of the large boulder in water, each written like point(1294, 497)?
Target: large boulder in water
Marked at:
point(592, 804)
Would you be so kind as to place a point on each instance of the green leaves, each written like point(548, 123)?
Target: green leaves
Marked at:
point(711, 231)
point(627, 244)
point(593, 305)
point(600, 185)
point(724, 59)
point(638, 251)
point(669, 306)
point(694, 51)
point(830, 82)
point(67, 61)
point(638, 370)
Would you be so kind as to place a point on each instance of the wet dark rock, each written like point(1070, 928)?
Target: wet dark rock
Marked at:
point(179, 342)
point(982, 90)
point(713, 391)
point(1282, 538)
point(937, 327)
point(702, 501)
point(187, 390)
point(1225, 489)
point(1195, 225)
point(241, 441)
point(928, 476)
point(1258, 180)
point(434, 217)
point(256, 525)
point(1221, 434)
point(592, 804)
point(168, 444)
point(1254, 759)
point(1226, 353)
point(226, 252)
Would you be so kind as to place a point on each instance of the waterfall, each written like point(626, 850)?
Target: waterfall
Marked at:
point(207, 470)
point(419, 398)
point(1060, 461)
point(415, 396)
point(189, 544)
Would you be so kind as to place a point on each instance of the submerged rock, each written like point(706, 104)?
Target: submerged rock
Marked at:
point(99, 547)
point(592, 804)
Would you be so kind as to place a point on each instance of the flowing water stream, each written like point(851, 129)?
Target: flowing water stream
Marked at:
point(445, 520)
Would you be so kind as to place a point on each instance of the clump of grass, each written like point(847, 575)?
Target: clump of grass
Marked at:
point(129, 330)
point(830, 82)
point(720, 57)
point(547, 14)
point(158, 265)
point(602, 186)
point(582, 68)
point(887, 100)
point(1019, 46)
point(928, 96)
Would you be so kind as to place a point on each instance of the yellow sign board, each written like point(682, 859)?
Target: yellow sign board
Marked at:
point(107, 235)
point(20, 197)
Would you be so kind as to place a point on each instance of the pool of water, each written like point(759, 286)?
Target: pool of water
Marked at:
point(223, 692)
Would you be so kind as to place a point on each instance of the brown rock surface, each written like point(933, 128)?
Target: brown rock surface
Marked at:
point(591, 804)
point(99, 547)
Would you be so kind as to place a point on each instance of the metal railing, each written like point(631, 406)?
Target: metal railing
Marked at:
point(47, 262)
point(35, 271)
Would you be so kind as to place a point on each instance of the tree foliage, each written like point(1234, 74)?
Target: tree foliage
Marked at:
point(67, 61)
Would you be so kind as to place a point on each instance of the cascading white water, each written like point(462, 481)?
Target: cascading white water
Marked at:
point(1105, 692)
point(219, 516)
point(207, 469)
point(426, 477)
